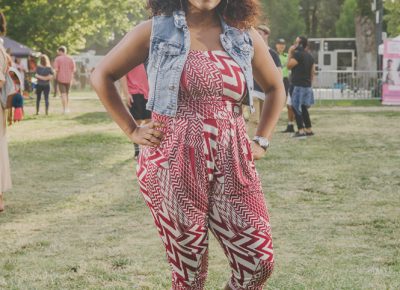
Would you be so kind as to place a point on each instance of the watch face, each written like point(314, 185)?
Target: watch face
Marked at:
point(262, 142)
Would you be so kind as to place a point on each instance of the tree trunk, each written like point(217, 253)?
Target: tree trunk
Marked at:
point(366, 43)
point(314, 20)
point(306, 16)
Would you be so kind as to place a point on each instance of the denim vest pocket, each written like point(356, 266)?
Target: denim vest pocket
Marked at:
point(166, 57)
point(168, 53)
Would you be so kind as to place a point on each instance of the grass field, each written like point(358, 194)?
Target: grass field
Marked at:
point(75, 219)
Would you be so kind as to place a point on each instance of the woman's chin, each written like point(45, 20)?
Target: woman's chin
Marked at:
point(204, 5)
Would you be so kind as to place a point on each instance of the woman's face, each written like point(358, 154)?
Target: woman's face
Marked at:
point(204, 5)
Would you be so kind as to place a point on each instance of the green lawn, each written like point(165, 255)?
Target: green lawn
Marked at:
point(76, 220)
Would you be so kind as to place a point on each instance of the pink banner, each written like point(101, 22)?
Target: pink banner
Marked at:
point(391, 73)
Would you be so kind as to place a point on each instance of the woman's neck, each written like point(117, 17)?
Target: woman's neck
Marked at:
point(197, 18)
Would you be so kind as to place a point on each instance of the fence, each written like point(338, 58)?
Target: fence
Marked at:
point(350, 85)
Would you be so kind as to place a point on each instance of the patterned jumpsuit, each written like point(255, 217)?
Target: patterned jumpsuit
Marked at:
point(202, 176)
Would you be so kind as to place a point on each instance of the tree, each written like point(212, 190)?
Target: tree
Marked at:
point(284, 19)
point(392, 18)
point(320, 16)
point(309, 11)
point(44, 25)
point(365, 36)
point(314, 18)
point(328, 14)
point(345, 26)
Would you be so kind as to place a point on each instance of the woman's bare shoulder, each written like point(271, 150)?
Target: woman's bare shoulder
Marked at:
point(142, 33)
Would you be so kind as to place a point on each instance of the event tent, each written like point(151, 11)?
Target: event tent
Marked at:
point(17, 49)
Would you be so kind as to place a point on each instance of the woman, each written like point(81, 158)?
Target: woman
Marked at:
point(196, 171)
point(5, 177)
point(44, 73)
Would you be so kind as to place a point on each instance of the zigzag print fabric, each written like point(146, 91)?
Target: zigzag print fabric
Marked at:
point(202, 177)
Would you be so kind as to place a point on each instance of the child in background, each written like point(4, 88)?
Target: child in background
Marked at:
point(18, 106)
point(18, 99)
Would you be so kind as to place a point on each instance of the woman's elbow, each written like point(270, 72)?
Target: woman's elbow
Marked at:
point(278, 90)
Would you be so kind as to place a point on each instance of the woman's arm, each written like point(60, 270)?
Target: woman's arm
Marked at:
point(44, 78)
point(313, 72)
point(292, 62)
point(268, 77)
point(129, 53)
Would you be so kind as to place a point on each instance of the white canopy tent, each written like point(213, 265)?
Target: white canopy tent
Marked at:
point(381, 49)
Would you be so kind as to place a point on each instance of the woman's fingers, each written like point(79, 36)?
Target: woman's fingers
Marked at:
point(153, 125)
point(148, 135)
point(146, 142)
point(154, 133)
point(154, 140)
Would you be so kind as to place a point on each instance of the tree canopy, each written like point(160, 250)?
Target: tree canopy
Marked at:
point(45, 25)
point(345, 26)
point(393, 18)
point(284, 19)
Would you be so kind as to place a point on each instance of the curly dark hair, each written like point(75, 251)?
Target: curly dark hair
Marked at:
point(241, 14)
point(3, 24)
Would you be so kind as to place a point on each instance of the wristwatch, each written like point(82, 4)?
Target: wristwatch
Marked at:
point(263, 142)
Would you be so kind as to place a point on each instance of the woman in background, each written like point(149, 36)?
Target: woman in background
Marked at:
point(44, 73)
point(5, 176)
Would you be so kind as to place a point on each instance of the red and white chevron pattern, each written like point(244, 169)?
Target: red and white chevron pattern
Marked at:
point(203, 177)
point(232, 76)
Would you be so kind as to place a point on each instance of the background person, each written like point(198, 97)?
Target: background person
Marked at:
point(44, 74)
point(302, 65)
point(197, 169)
point(264, 31)
point(135, 89)
point(83, 76)
point(284, 57)
point(5, 176)
point(64, 66)
point(21, 68)
point(55, 84)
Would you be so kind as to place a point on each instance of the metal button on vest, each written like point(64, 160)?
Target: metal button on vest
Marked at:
point(172, 87)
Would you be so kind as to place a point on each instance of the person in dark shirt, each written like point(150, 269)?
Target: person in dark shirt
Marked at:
point(44, 73)
point(302, 65)
point(264, 31)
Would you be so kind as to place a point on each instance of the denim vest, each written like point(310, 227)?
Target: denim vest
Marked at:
point(169, 48)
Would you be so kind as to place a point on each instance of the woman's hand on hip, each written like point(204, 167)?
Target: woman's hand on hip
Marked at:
point(148, 134)
point(258, 151)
